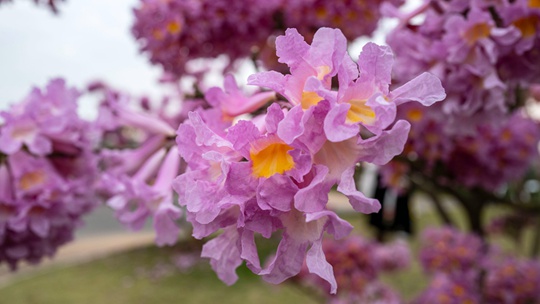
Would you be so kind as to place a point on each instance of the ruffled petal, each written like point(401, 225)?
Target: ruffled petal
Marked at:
point(425, 89)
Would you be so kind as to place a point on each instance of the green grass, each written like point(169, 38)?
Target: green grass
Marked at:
point(122, 278)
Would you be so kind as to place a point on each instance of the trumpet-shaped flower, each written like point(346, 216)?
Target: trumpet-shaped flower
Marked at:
point(361, 99)
point(137, 181)
point(276, 175)
point(135, 200)
point(43, 117)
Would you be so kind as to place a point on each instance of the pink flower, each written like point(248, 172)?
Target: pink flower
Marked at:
point(44, 116)
point(450, 251)
point(135, 200)
point(275, 176)
point(451, 290)
point(513, 281)
point(47, 188)
point(136, 182)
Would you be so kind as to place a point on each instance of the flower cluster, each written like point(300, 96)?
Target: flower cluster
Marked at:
point(174, 32)
point(454, 258)
point(47, 169)
point(450, 290)
point(482, 51)
point(356, 263)
point(140, 160)
point(428, 138)
point(450, 251)
point(273, 173)
point(513, 281)
point(489, 157)
point(465, 272)
point(498, 154)
point(354, 18)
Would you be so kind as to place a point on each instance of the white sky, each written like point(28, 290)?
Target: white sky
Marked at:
point(89, 40)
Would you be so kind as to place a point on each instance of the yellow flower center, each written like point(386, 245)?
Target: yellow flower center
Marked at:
point(477, 32)
point(174, 27)
point(458, 291)
point(31, 179)
point(352, 15)
point(506, 135)
point(359, 112)
point(322, 71)
point(321, 12)
point(534, 3)
point(527, 25)
point(415, 115)
point(309, 99)
point(271, 159)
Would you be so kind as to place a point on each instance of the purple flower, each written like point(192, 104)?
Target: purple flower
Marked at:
point(135, 200)
point(175, 32)
point(393, 256)
point(321, 60)
point(354, 18)
point(496, 155)
point(450, 251)
point(513, 281)
point(522, 17)
point(368, 101)
point(450, 290)
point(47, 188)
point(40, 119)
point(274, 173)
point(278, 187)
point(482, 57)
point(23, 131)
point(472, 40)
point(260, 195)
point(361, 99)
point(356, 263)
point(139, 168)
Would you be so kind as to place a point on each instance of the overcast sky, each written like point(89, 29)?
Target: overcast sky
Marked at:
point(88, 40)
